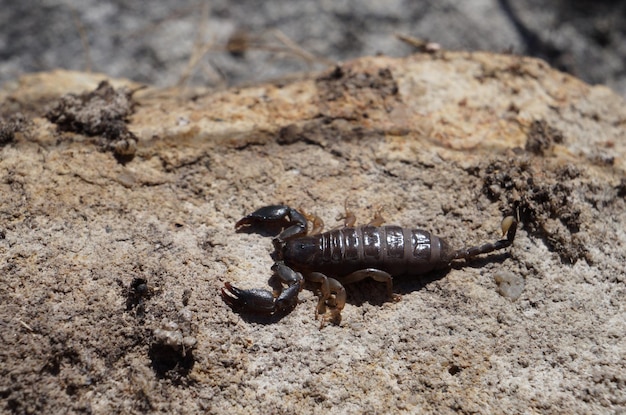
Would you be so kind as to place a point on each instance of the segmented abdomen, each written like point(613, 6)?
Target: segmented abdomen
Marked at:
point(393, 249)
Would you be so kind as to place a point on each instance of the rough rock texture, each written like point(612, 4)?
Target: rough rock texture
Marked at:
point(111, 269)
point(228, 43)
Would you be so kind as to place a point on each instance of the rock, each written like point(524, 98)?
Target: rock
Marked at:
point(98, 252)
point(509, 285)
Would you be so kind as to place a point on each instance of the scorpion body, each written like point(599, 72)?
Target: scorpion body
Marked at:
point(343, 256)
point(392, 249)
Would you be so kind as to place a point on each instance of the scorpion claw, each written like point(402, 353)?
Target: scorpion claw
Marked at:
point(264, 301)
point(258, 301)
point(276, 215)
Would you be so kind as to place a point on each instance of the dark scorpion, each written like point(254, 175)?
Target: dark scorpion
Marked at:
point(343, 256)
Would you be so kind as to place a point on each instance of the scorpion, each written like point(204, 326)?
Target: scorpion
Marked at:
point(343, 256)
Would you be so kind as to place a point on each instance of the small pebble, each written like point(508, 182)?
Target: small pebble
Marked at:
point(510, 285)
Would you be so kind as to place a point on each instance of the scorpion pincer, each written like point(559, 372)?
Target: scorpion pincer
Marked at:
point(343, 256)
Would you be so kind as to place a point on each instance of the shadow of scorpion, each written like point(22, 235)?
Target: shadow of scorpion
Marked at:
point(343, 256)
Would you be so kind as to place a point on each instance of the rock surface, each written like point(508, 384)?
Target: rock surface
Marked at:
point(111, 266)
point(226, 43)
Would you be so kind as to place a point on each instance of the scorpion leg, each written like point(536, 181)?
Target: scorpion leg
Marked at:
point(264, 301)
point(376, 275)
point(277, 214)
point(332, 295)
point(509, 227)
point(378, 219)
point(318, 223)
point(349, 218)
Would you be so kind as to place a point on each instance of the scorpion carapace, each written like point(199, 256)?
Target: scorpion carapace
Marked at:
point(343, 256)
